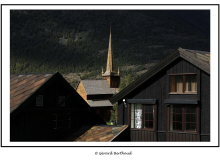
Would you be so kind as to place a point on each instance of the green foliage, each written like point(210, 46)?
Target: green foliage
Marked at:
point(114, 113)
point(125, 81)
point(138, 37)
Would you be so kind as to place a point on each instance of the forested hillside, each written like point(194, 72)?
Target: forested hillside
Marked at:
point(76, 41)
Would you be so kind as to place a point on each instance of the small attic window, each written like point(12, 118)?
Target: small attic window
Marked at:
point(39, 100)
point(61, 98)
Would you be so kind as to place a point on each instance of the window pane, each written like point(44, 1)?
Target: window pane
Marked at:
point(146, 124)
point(138, 116)
point(171, 121)
point(132, 123)
point(150, 124)
point(193, 118)
point(179, 83)
point(146, 116)
point(188, 117)
point(132, 115)
point(193, 126)
point(188, 110)
point(137, 124)
point(178, 126)
point(146, 108)
point(179, 117)
point(132, 107)
point(191, 84)
point(193, 110)
point(171, 108)
point(172, 84)
point(151, 108)
point(150, 116)
point(178, 109)
point(187, 126)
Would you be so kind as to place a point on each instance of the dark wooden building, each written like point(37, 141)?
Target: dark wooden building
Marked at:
point(44, 107)
point(98, 92)
point(170, 102)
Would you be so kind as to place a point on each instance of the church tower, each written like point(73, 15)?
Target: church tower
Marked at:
point(112, 77)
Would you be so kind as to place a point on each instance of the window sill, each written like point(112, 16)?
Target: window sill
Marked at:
point(186, 132)
point(186, 93)
point(145, 129)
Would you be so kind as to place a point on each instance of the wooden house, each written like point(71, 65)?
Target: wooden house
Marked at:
point(170, 102)
point(44, 107)
point(98, 92)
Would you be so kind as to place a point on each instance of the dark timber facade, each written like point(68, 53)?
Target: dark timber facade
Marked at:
point(44, 107)
point(171, 102)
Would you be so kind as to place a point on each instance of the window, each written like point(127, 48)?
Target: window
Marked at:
point(182, 118)
point(61, 98)
point(61, 121)
point(39, 100)
point(183, 83)
point(142, 116)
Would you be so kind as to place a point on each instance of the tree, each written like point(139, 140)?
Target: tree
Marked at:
point(125, 82)
point(114, 114)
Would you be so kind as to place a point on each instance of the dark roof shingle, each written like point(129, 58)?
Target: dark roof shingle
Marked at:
point(96, 87)
point(99, 103)
point(97, 133)
point(22, 86)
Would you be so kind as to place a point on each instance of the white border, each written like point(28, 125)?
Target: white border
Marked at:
point(6, 75)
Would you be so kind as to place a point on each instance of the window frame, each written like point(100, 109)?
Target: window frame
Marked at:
point(183, 107)
point(67, 119)
point(143, 117)
point(39, 101)
point(60, 99)
point(184, 83)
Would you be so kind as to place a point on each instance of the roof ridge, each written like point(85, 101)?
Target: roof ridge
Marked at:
point(30, 73)
point(179, 53)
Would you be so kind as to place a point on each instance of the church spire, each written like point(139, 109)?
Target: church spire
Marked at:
point(110, 62)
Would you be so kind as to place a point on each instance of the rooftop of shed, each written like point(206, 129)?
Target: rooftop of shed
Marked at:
point(97, 133)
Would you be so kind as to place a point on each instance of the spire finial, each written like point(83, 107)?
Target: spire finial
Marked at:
point(110, 27)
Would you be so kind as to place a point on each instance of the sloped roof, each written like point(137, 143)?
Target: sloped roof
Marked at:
point(200, 59)
point(24, 85)
point(100, 103)
point(97, 133)
point(96, 87)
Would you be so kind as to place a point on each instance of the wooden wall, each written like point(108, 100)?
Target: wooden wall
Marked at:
point(158, 88)
point(113, 81)
point(81, 90)
point(37, 123)
point(205, 107)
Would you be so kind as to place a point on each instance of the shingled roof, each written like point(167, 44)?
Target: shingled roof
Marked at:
point(24, 85)
point(200, 59)
point(97, 133)
point(99, 103)
point(93, 87)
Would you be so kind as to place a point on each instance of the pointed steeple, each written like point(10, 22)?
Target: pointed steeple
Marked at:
point(110, 60)
point(110, 75)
